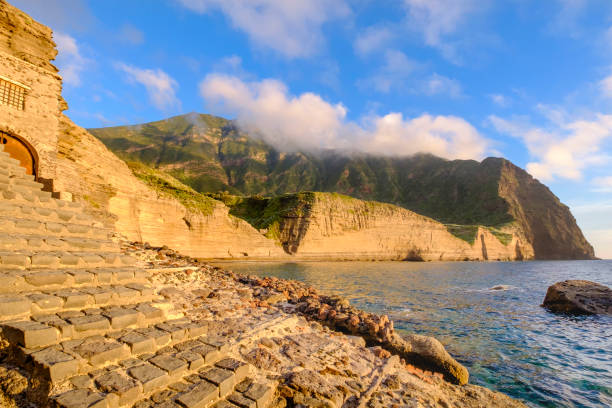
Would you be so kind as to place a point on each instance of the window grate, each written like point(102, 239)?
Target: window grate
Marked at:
point(12, 94)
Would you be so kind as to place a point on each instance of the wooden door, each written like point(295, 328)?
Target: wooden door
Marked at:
point(20, 151)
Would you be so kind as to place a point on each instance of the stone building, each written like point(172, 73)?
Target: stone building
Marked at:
point(30, 93)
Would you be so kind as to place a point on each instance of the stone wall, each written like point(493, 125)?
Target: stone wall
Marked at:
point(26, 49)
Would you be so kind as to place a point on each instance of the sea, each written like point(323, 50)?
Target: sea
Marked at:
point(488, 316)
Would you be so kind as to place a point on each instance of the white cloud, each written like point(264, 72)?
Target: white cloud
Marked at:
point(603, 184)
point(441, 85)
point(563, 150)
point(160, 86)
point(69, 59)
point(307, 122)
point(436, 20)
point(606, 86)
point(372, 39)
point(500, 100)
point(292, 28)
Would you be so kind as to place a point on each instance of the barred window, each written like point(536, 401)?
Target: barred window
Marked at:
point(12, 94)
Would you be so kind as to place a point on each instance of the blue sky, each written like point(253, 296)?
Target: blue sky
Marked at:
point(529, 80)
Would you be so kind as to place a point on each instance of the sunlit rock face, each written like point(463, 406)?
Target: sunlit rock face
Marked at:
point(212, 154)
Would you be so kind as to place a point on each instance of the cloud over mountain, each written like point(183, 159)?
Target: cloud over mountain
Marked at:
point(160, 86)
point(566, 148)
point(308, 122)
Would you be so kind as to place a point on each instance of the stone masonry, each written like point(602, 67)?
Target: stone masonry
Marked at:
point(26, 48)
point(85, 323)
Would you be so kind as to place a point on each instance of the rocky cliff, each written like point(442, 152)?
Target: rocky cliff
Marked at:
point(543, 219)
point(211, 154)
point(96, 177)
point(333, 226)
point(150, 206)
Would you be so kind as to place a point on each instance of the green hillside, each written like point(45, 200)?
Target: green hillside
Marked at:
point(211, 154)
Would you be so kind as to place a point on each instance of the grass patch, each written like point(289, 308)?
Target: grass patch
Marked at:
point(503, 237)
point(465, 232)
point(168, 186)
point(469, 233)
point(267, 213)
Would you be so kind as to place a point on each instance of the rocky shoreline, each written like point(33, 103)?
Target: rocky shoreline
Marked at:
point(306, 349)
point(423, 358)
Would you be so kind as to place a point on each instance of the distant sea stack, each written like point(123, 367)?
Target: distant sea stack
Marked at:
point(212, 155)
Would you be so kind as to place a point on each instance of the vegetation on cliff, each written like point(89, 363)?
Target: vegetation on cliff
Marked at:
point(267, 213)
point(212, 155)
point(168, 186)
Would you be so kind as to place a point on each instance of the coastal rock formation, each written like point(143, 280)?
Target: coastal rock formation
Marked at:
point(427, 352)
point(212, 154)
point(111, 192)
point(545, 222)
point(579, 297)
point(85, 322)
point(377, 330)
point(332, 226)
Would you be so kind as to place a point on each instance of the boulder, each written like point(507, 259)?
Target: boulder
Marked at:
point(429, 354)
point(579, 297)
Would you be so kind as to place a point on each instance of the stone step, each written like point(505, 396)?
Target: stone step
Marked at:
point(40, 199)
point(38, 305)
point(56, 214)
point(25, 187)
point(12, 167)
point(19, 281)
point(12, 225)
point(45, 244)
point(63, 260)
point(115, 336)
point(65, 329)
point(7, 160)
point(170, 377)
point(7, 181)
point(15, 172)
point(135, 342)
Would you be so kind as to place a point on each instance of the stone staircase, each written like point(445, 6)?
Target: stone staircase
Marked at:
point(84, 321)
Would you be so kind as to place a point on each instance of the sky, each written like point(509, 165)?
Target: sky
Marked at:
point(528, 80)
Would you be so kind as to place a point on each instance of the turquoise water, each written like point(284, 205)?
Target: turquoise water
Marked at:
point(507, 341)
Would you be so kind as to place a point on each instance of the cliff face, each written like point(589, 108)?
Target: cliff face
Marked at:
point(211, 154)
point(301, 226)
point(332, 226)
point(111, 192)
point(543, 219)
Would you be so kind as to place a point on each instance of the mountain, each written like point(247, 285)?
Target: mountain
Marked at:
point(211, 155)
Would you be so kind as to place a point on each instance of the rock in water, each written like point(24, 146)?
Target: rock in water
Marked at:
point(579, 297)
point(428, 353)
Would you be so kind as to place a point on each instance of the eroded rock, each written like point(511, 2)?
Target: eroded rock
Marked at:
point(579, 297)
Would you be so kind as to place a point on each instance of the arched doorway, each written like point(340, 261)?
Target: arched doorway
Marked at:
point(20, 150)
